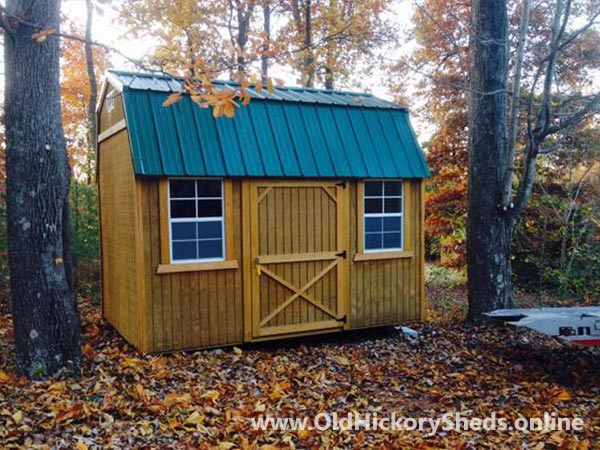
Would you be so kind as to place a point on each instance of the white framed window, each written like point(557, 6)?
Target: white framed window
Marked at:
point(196, 220)
point(110, 100)
point(383, 215)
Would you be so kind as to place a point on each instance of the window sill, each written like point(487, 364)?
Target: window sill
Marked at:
point(197, 267)
point(382, 255)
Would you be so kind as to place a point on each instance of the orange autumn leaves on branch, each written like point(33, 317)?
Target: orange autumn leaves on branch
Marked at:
point(75, 90)
point(327, 43)
point(205, 94)
point(41, 36)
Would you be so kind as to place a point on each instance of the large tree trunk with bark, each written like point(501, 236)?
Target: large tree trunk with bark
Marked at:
point(488, 226)
point(45, 316)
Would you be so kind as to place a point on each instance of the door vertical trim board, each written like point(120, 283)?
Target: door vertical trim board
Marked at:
point(247, 231)
point(343, 244)
point(252, 269)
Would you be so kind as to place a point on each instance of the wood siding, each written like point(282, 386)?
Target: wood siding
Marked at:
point(388, 291)
point(175, 310)
point(188, 310)
point(296, 270)
point(107, 118)
point(120, 300)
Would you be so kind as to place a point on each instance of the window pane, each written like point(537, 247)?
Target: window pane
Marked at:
point(392, 224)
point(209, 208)
point(182, 208)
point(373, 205)
point(373, 188)
point(372, 224)
point(182, 188)
point(392, 240)
point(393, 205)
point(209, 188)
point(208, 230)
point(393, 188)
point(372, 241)
point(184, 250)
point(181, 231)
point(210, 249)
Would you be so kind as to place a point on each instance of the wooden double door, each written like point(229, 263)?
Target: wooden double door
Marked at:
point(298, 256)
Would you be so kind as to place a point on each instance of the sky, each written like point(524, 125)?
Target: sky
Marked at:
point(107, 30)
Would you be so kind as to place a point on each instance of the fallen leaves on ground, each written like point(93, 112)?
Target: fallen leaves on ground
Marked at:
point(205, 399)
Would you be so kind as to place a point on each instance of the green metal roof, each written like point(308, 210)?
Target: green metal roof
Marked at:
point(294, 132)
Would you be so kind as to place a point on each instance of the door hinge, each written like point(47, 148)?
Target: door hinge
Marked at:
point(343, 319)
point(342, 184)
point(341, 254)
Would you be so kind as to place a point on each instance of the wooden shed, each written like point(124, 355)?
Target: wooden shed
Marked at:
point(301, 215)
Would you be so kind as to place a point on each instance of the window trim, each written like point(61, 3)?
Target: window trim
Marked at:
point(378, 254)
point(167, 265)
point(383, 215)
point(220, 218)
point(110, 100)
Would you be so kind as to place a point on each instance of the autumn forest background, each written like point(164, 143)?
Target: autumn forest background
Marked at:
point(418, 57)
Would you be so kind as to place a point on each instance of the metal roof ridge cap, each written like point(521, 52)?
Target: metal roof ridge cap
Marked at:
point(160, 74)
point(167, 78)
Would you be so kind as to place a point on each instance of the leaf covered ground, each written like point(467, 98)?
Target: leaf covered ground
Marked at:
point(206, 398)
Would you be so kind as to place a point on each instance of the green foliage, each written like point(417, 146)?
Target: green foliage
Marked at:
point(440, 275)
point(84, 216)
point(86, 239)
point(558, 251)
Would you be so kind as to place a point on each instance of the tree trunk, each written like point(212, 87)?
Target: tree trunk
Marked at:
point(45, 316)
point(264, 58)
point(488, 227)
point(328, 78)
point(309, 59)
point(332, 29)
point(91, 110)
point(303, 23)
point(244, 15)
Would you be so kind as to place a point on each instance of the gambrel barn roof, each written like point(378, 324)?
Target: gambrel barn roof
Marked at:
point(294, 132)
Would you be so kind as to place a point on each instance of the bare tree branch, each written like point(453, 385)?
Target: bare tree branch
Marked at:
point(545, 123)
point(91, 72)
point(138, 63)
point(544, 114)
point(513, 119)
point(5, 20)
point(592, 107)
point(441, 29)
point(575, 34)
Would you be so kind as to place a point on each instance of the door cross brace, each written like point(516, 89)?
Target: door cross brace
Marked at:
point(298, 293)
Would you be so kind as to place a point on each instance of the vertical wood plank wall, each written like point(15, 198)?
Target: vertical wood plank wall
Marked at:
point(109, 118)
point(384, 292)
point(187, 310)
point(286, 226)
point(118, 223)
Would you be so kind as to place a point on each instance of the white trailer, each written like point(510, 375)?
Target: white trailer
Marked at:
point(578, 325)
